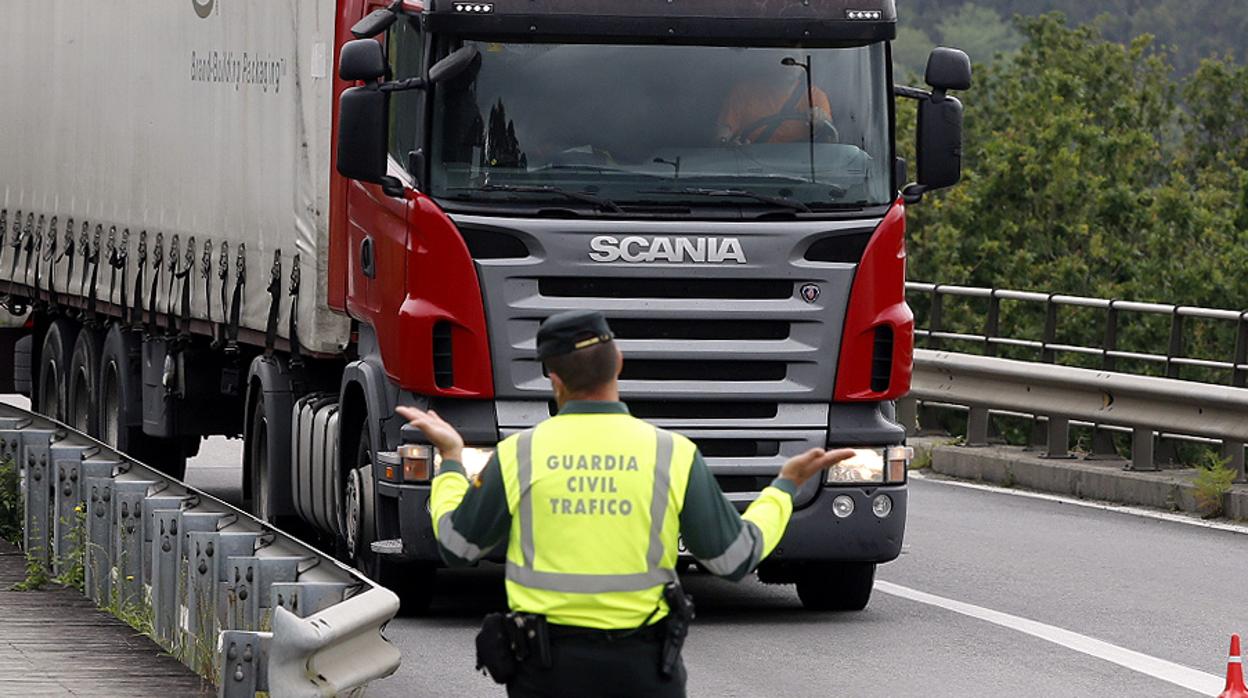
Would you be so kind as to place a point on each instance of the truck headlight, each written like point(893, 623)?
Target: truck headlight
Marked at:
point(475, 459)
point(866, 466)
point(872, 466)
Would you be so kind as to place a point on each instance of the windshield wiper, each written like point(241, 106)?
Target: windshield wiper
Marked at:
point(604, 204)
point(782, 201)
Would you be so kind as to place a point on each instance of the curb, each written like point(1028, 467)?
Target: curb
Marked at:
point(1011, 466)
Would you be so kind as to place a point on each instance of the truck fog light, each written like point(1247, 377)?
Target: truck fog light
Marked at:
point(843, 506)
point(882, 506)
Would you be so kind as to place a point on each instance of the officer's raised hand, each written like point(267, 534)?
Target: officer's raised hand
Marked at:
point(441, 434)
point(801, 468)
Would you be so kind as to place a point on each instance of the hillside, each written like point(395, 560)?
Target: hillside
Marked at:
point(1191, 30)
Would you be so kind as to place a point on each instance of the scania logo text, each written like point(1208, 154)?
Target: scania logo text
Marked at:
point(670, 250)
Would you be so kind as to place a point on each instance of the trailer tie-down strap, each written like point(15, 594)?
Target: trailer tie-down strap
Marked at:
point(158, 264)
point(38, 260)
point(223, 275)
point(236, 308)
point(113, 255)
point(184, 316)
point(16, 244)
point(275, 303)
point(296, 352)
point(28, 236)
point(94, 260)
point(122, 263)
point(205, 273)
point(175, 256)
point(136, 308)
point(49, 258)
point(66, 252)
point(4, 230)
point(84, 253)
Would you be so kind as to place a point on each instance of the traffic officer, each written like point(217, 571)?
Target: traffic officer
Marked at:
point(592, 504)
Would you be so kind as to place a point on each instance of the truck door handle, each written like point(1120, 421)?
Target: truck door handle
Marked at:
point(368, 258)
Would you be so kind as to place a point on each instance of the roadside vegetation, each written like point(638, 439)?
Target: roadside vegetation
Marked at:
point(1095, 168)
point(10, 503)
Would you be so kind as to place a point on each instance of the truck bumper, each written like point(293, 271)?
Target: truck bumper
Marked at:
point(815, 534)
point(409, 505)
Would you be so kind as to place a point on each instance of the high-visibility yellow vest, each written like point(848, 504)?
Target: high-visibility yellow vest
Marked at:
point(595, 502)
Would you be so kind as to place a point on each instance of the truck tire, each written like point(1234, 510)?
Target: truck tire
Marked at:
point(411, 581)
point(54, 358)
point(842, 586)
point(120, 387)
point(83, 382)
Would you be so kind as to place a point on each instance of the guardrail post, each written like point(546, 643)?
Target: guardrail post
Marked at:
point(243, 661)
point(935, 319)
point(1233, 451)
point(306, 598)
point(977, 427)
point(1058, 433)
point(992, 325)
point(1142, 451)
point(68, 523)
point(188, 522)
point(127, 560)
point(99, 538)
point(1176, 344)
point(165, 575)
point(1109, 361)
point(249, 585)
point(1239, 374)
point(1047, 355)
point(156, 536)
point(36, 456)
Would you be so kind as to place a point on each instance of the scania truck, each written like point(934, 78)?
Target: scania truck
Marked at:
point(281, 219)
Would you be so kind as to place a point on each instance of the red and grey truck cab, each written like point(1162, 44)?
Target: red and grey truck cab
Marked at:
point(503, 161)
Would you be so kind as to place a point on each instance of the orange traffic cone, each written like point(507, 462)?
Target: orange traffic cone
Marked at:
point(1235, 673)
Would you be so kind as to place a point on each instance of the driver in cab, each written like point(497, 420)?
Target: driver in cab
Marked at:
point(772, 107)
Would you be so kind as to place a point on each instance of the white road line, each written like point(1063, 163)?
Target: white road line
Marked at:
point(1177, 674)
point(1102, 506)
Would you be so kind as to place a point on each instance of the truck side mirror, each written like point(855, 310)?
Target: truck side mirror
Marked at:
point(362, 59)
point(364, 116)
point(948, 69)
point(940, 124)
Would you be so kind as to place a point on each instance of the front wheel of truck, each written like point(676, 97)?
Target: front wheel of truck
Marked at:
point(840, 586)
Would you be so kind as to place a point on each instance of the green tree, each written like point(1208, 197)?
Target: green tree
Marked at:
point(980, 31)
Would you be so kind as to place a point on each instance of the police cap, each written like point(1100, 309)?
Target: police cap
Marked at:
point(568, 332)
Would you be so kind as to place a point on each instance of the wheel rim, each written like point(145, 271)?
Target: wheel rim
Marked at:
point(110, 427)
point(353, 518)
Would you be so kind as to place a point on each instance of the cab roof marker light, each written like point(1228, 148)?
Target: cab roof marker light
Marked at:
point(475, 7)
point(864, 14)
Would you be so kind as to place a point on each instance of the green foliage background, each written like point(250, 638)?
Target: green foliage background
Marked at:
point(1092, 167)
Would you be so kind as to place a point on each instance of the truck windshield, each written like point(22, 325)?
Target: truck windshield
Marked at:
point(666, 125)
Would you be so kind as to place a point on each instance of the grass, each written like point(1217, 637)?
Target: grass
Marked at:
point(1213, 482)
point(10, 503)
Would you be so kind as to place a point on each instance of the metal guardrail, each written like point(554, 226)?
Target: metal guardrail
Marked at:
point(1146, 406)
point(230, 596)
point(990, 340)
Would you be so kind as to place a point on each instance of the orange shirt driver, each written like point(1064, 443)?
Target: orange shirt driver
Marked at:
point(764, 111)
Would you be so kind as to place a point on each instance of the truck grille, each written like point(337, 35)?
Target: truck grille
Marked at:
point(725, 289)
point(741, 358)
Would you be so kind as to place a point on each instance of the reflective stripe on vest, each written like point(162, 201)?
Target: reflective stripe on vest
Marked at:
point(562, 582)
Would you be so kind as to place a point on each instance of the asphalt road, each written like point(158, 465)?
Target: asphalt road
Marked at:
point(956, 615)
